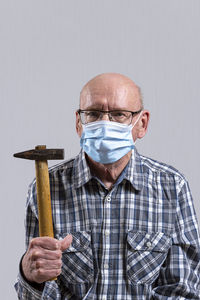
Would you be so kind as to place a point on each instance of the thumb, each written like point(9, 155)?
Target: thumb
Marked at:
point(65, 243)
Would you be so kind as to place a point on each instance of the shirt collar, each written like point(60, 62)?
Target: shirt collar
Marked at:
point(81, 170)
point(133, 174)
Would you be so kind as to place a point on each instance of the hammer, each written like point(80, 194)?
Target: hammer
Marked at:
point(40, 154)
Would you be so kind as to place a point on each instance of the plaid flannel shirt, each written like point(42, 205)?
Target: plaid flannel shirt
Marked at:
point(138, 240)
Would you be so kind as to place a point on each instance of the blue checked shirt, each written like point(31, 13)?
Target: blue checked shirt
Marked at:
point(138, 240)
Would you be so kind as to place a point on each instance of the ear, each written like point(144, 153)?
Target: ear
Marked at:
point(79, 127)
point(143, 124)
point(140, 129)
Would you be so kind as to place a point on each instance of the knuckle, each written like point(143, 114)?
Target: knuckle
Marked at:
point(35, 254)
point(31, 244)
point(58, 254)
point(38, 264)
point(58, 272)
point(40, 272)
point(33, 241)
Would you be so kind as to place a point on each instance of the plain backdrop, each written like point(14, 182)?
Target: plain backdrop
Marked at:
point(50, 49)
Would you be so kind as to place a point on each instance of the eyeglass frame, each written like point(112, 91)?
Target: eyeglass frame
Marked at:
point(133, 113)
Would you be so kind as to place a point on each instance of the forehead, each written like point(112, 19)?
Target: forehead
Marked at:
point(110, 96)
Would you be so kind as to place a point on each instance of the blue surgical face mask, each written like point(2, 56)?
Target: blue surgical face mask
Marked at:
point(106, 141)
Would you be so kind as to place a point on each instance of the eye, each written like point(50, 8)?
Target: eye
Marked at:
point(92, 114)
point(118, 114)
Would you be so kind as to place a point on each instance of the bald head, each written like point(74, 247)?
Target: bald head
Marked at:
point(110, 87)
point(113, 92)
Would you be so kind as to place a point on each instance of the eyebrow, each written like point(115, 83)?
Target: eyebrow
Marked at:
point(96, 108)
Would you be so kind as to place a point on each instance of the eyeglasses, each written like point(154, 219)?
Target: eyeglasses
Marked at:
point(120, 116)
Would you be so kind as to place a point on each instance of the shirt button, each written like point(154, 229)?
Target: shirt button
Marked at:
point(104, 298)
point(148, 244)
point(108, 199)
point(107, 232)
point(106, 266)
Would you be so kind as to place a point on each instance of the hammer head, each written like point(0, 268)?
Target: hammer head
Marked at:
point(41, 153)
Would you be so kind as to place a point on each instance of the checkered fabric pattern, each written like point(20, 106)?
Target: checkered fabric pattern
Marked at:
point(138, 241)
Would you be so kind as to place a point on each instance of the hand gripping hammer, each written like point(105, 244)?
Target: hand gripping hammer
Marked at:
point(40, 154)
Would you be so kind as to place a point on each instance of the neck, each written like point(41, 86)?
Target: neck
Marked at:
point(108, 173)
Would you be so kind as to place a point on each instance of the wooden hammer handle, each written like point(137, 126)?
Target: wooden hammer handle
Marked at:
point(44, 199)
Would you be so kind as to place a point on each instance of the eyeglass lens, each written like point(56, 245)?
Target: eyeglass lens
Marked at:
point(115, 116)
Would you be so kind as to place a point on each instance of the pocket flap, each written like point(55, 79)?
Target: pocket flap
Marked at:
point(149, 241)
point(80, 241)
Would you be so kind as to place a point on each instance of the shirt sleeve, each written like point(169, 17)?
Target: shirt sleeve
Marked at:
point(180, 274)
point(25, 291)
point(23, 288)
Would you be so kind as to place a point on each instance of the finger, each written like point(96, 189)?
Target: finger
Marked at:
point(45, 243)
point(44, 264)
point(66, 242)
point(40, 253)
point(41, 275)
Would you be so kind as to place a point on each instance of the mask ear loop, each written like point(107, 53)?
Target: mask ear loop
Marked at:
point(136, 123)
point(137, 119)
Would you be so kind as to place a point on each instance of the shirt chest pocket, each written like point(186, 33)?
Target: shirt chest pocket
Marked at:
point(146, 252)
point(77, 260)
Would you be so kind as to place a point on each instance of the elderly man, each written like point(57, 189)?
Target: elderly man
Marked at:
point(125, 225)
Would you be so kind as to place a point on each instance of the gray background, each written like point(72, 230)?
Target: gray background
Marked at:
point(49, 49)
